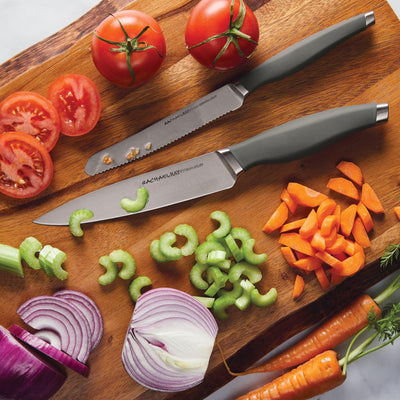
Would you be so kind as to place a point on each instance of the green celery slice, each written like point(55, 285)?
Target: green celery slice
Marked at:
point(128, 263)
point(224, 224)
point(156, 253)
point(196, 277)
point(249, 254)
point(252, 272)
point(111, 270)
point(142, 197)
point(51, 260)
point(10, 260)
point(137, 285)
point(192, 239)
point(221, 304)
point(263, 300)
point(28, 249)
point(172, 253)
point(75, 220)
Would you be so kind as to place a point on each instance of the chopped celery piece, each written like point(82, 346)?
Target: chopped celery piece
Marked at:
point(142, 197)
point(196, 278)
point(156, 253)
point(244, 301)
point(111, 270)
point(75, 221)
point(217, 279)
point(202, 251)
point(172, 253)
point(128, 263)
point(241, 234)
point(51, 260)
point(192, 240)
point(249, 254)
point(207, 301)
point(235, 292)
point(224, 264)
point(28, 250)
point(10, 260)
point(221, 304)
point(224, 224)
point(137, 285)
point(252, 272)
point(216, 257)
point(234, 248)
point(263, 300)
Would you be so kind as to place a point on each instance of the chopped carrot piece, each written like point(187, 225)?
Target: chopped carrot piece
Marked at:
point(360, 234)
point(352, 264)
point(308, 263)
point(300, 255)
point(310, 225)
point(288, 199)
point(328, 225)
point(338, 246)
point(289, 255)
point(298, 286)
point(337, 212)
point(336, 278)
point(351, 171)
point(318, 241)
point(344, 187)
point(347, 219)
point(370, 199)
point(329, 240)
point(305, 196)
point(322, 278)
point(350, 248)
point(365, 216)
point(291, 226)
point(277, 219)
point(296, 242)
point(327, 258)
point(327, 207)
point(397, 211)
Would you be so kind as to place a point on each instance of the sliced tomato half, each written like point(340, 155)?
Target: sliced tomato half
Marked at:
point(77, 101)
point(31, 113)
point(26, 167)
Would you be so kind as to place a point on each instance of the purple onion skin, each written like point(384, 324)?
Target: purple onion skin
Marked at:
point(25, 375)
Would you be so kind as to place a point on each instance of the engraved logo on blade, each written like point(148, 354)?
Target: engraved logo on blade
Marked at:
point(170, 174)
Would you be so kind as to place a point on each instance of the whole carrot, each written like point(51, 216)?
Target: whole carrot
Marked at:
point(316, 376)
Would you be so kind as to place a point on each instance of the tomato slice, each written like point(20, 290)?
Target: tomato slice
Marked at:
point(77, 100)
point(31, 113)
point(26, 168)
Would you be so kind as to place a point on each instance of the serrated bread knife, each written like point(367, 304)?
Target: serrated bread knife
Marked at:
point(227, 98)
point(219, 170)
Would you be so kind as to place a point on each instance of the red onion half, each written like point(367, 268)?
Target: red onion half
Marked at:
point(169, 340)
point(25, 375)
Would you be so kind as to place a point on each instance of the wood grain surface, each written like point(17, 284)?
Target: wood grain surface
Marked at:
point(364, 69)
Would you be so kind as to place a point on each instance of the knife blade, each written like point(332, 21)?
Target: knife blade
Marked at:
point(219, 170)
point(227, 98)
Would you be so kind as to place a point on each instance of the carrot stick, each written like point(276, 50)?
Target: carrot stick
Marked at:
point(334, 331)
point(289, 255)
point(277, 219)
point(338, 246)
point(296, 242)
point(288, 199)
point(318, 241)
point(347, 219)
point(298, 286)
point(371, 200)
point(360, 234)
point(344, 187)
point(365, 216)
point(318, 375)
point(328, 224)
point(351, 265)
point(308, 263)
point(322, 278)
point(351, 171)
point(310, 225)
point(293, 225)
point(304, 195)
point(327, 207)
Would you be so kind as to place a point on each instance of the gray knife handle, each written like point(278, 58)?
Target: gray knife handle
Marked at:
point(299, 138)
point(303, 53)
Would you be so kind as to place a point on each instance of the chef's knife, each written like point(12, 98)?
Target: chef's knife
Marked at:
point(219, 170)
point(227, 98)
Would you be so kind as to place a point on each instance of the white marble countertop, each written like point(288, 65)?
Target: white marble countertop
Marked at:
point(373, 377)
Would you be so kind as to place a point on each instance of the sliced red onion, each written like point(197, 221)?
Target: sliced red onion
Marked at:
point(57, 314)
point(49, 350)
point(169, 340)
point(50, 337)
point(25, 374)
point(90, 310)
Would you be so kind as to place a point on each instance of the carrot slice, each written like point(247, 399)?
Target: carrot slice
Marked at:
point(365, 216)
point(328, 225)
point(344, 187)
point(288, 199)
point(277, 219)
point(351, 171)
point(352, 264)
point(350, 248)
point(298, 286)
point(310, 225)
point(318, 241)
point(397, 211)
point(291, 226)
point(296, 242)
point(338, 246)
point(305, 196)
point(360, 234)
point(328, 259)
point(289, 255)
point(322, 278)
point(338, 213)
point(347, 219)
point(309, 263)
point(327, 207)
point(370, 199)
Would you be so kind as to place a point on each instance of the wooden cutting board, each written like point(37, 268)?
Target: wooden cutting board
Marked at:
point(364, 69)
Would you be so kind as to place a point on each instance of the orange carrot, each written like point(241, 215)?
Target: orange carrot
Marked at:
point(365, 216)
point(327, 207)
point(351, 265)
point(304, 195)
point(344, 187)
point(296, 242)
point(334, 331)
point(289, 255)
point(318, 241)
point(338, 246)
point(328, 224)
point(370, 199)
point(308, 263)
point(277, 219)
point(397, 211)
point(310, 225)
point(360, 234)
point(298, 286)
point(327, 258)
point(291, 226)
point(347, 219)
point(288, 199)
point(318, 375)
point(352, 171)
point(322, 278)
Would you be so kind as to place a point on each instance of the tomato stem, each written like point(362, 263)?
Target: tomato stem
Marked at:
point(232, 33)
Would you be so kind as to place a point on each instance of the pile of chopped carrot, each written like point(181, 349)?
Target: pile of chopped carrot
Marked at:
point(328, 241)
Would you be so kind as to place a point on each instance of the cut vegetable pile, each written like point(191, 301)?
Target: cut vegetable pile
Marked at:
point(329, 240)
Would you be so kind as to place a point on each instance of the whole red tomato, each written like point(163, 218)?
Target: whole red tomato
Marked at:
point(222, 34)
point(128, 48)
